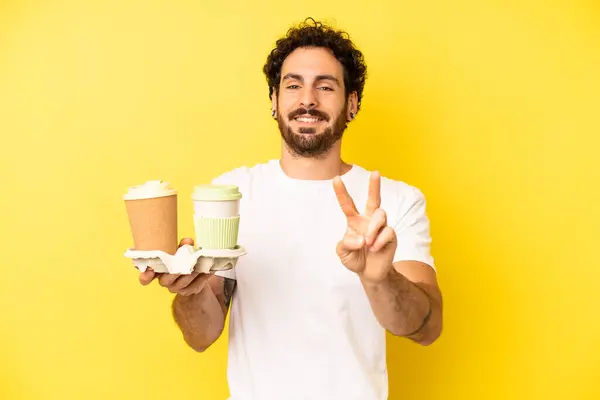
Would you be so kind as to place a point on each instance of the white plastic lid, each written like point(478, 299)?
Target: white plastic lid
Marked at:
point(149, 190)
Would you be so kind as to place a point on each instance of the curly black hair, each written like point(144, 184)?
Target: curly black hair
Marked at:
point(311, 33)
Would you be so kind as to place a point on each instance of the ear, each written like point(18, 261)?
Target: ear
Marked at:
point(274, 103)
point(352, 106)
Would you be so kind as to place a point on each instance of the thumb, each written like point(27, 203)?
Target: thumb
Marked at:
point(185, 241)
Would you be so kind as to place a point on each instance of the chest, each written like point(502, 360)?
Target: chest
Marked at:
point(291, 242)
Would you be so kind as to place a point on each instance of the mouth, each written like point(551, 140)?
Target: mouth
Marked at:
point(308, 120)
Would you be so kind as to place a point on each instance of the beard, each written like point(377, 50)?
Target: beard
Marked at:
point(307, 142)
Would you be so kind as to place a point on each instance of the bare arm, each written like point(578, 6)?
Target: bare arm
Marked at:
point(200, 305)
point(405, 296)
point(201, 316)
point(408, 302)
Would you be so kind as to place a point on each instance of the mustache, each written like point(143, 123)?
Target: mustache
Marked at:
point(312, 112)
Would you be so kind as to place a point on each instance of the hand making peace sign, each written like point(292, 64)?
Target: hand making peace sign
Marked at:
point(369, 245)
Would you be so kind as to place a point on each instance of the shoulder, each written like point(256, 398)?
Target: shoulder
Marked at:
point(398, 194)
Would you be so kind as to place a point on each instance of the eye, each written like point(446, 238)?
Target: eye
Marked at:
point(326, 88)
point(293, 87)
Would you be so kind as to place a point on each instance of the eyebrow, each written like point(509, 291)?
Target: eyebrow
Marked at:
point(324, 77)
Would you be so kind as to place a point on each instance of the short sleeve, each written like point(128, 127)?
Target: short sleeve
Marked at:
point(413, 229)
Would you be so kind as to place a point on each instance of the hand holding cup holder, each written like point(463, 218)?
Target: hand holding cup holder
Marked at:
point(216, 223)
point(186, 260)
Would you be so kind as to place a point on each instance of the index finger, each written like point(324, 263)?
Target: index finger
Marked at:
point(147, 276)
point(374, 199)
point(346, 202)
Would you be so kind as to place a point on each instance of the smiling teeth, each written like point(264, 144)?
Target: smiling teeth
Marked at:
point(305, 119)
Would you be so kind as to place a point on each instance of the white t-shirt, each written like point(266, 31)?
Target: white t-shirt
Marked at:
point(301, 326)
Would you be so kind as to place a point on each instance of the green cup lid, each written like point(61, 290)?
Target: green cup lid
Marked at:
point(216, 193)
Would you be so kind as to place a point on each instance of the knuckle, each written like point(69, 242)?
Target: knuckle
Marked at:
point(189, 290)
point(165, 280)
point(186, 282)
point(390, 233)
point(179, 285)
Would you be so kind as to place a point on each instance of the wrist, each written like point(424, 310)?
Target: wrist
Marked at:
point(186, 302)
point(391, 275)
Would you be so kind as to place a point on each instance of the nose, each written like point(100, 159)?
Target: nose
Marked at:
point(308, 99)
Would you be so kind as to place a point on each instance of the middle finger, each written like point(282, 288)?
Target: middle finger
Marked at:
point(167, 279)
point(377, 223)
point(374, 198)
point(183, 281)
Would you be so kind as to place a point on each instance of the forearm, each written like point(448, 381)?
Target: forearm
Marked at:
point(405, 308)
point(200, 317)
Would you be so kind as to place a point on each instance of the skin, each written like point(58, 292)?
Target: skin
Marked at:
point(201, 303)
point(405, 296)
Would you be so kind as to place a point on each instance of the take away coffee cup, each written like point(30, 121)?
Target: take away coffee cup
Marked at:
point(216, 216)
point(152, 212)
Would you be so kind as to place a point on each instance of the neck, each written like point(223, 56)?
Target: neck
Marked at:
point(325, 167)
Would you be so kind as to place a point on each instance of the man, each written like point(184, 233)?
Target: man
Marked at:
point(335, 255)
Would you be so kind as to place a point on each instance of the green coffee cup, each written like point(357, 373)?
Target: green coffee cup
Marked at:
point(216, 216)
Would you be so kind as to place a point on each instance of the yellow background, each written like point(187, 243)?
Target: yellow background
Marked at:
point(490, 107)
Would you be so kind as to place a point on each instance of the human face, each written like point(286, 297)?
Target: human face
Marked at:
point(312, 108)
